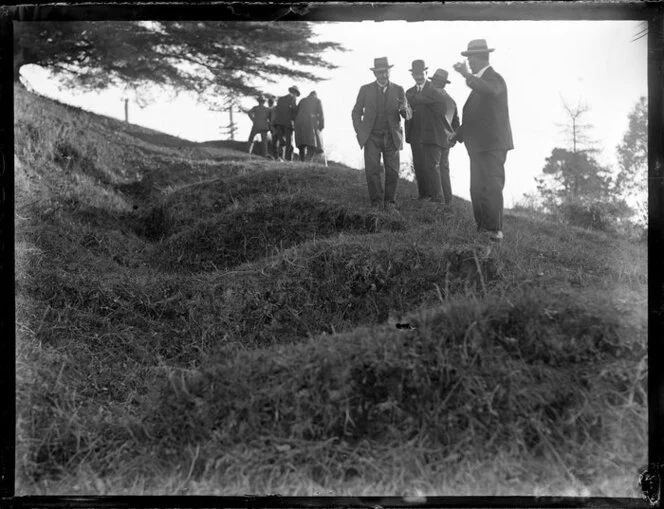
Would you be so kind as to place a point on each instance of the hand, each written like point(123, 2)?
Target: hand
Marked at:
point(461, 68)
point(402, 104)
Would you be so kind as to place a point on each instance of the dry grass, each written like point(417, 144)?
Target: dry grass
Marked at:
point(192, 319)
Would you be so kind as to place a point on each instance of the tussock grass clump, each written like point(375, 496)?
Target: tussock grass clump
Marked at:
point(58, 426)
point(469, 372)
point(260, 228)
point(337, 284)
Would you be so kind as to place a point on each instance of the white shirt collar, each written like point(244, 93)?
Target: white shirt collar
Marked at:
point(481, 71)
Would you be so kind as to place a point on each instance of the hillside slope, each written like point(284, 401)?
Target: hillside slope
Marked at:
point(195, 320)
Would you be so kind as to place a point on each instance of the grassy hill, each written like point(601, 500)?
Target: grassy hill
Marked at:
point(195, 320)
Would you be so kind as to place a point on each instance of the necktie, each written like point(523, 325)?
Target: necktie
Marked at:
point(419, 88)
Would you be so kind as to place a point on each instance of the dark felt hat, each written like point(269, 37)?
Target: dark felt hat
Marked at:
point(440, 75)
point(295, 90)
point(380, 64)
point(418, 66)
point(476, 47)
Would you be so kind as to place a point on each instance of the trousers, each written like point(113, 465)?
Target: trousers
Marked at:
point(381, 144)
point(418, 168)
point(264, 140)
point(487, 180)
point(307, 152)
point(432, 155)
point(283, 137)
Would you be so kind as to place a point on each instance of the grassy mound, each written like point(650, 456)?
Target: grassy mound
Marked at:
point(266, 225)
point(188, 204)
point(505, 375)
point(335, 285)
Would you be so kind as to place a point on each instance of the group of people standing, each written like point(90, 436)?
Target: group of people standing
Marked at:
point(278, 124)
point(433, 127)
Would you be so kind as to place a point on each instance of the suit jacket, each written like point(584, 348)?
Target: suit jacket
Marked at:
point(260, 116)
point(439, 117)
point(486, 122)
point(366, 108)
point(308, 122)
point(414, 125)
point(284, 111)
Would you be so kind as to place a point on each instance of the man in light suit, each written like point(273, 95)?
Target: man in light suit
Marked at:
point(377, 122)
point(414, 126)
point(486, 132)
point(439, 118)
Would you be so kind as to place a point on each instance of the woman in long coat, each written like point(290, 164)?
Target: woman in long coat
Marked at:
point(309, 122)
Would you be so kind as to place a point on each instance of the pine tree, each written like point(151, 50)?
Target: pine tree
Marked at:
point(632, 179)
point(572, 174)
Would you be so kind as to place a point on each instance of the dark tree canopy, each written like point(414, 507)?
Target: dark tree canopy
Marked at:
point(215, 57)
point(577, 175)
point(573, 173)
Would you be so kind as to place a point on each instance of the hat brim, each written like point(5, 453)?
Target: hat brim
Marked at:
point(440, 81)
point(476, 51)
point(418, 70)
point(294, 90)
point(381, 68)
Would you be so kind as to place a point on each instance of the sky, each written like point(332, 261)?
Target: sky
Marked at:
point(542, 62)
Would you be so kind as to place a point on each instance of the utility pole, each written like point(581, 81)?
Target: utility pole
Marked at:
point(231, 126)
point(126, 108)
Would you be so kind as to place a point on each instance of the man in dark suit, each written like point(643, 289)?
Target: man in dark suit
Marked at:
point(284, 118)
point(309, 122)
point(438, 124)
point(414, 125)
point(260, 117)
point(377, 122)
point(487, 134)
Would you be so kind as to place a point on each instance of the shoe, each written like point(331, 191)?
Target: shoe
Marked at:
point(496, 236)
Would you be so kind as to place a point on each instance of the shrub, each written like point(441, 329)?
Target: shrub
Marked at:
point(593, 214)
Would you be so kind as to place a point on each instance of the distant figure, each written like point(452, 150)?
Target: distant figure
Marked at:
point(486, 132)
point(377, 123)
point(260, 116)
point(438, 122)
point(270, 106)
point(284, 118)
point(309, 122)
point(414, 126)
